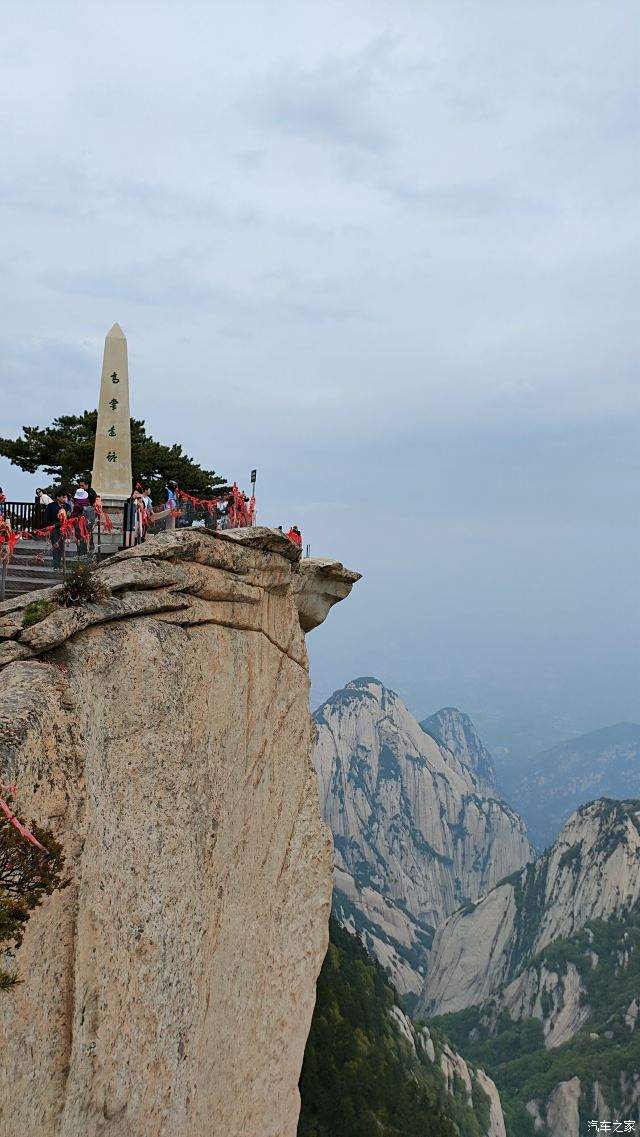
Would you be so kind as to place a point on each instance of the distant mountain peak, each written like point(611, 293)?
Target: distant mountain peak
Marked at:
point(455, 730)
point(589, 873)
point(604, 763)
point(417, 831)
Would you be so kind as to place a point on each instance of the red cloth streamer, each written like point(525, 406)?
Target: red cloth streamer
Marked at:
point(69, 527)
point(239, 512)
point(103, 517)
point(22, 829)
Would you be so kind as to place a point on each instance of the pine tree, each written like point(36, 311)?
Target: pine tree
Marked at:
point(27, 875)
point(65, 450)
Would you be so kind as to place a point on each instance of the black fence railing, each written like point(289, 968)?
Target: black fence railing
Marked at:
point(23, 514)
point(135, 526)
point(28, 517)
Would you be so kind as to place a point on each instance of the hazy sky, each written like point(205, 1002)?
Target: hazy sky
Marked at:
point(387, 252)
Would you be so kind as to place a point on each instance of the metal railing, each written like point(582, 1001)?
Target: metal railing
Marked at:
point(134, 530)
point(23, 514)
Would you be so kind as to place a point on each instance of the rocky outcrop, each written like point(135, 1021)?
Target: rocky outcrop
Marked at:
point(556, 998)
point(454, 731)
point(416, 832)
point(590, 872)
point(460, 1078)
point(563, 1109)
point(559, 1114)
point(164, 736)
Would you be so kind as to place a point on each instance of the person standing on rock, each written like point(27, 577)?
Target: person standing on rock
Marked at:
point(295, 535)
point(89, 511)
point(80, 504)
point(172, 504)
point(55, 514)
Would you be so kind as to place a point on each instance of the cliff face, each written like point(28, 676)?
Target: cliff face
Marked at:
point(541, 977)
point(589, 873)
point(164, 736)
point(416, 832)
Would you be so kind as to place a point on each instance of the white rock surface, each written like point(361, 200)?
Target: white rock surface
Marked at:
point(426, 1041)
point(528, 996)
point(631, 1014)
point(455, 1070)
point(416, 832)
point(563, 1110)
point(497, 1126)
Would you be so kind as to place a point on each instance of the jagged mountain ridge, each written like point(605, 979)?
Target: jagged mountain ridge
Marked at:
point(416, 831)
point(602, 763)
point(540, 981)
point(592, 871)
point(454, 730)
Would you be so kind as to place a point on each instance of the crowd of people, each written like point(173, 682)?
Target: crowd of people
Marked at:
point(61, 514)
point(55, 511)
point(183, 510)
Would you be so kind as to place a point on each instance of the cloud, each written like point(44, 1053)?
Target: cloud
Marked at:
point(333, 103)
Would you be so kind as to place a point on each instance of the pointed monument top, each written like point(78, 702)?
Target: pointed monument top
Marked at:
point(116, 333)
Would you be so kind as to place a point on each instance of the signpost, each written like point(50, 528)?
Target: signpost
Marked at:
point(254, 475)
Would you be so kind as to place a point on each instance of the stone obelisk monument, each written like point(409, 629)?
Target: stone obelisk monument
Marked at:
point(111, 476)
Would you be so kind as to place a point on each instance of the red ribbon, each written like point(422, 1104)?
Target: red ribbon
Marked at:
point(13, 820)
point(239, 512)
point(69, 527)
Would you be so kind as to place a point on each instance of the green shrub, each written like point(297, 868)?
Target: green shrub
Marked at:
point(81, 586)
point(27, 875)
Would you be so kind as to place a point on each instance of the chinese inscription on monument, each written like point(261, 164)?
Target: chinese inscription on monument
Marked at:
point(112, 455)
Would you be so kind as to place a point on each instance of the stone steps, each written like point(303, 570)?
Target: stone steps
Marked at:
point(31, 568)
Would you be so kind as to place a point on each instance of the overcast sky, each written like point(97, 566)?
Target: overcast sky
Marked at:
point(387, 252)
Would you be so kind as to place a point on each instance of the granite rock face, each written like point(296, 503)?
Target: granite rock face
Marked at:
point(164, 736)
point(589, 873)
point(417, 833)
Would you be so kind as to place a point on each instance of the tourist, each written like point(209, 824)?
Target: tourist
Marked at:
point(230, 513)
point(295, 535)
point(78, 514)
point(141, 518)
point(221, 515)
point(2, 501)
point(43, 498)
point(147, 510)
point(55, 514)
point(89, 512)
point(171, 504)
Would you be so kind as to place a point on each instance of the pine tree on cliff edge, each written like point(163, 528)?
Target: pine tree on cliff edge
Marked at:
point(65, 450)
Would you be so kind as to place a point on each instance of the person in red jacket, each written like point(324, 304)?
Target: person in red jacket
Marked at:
point(295, 535)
